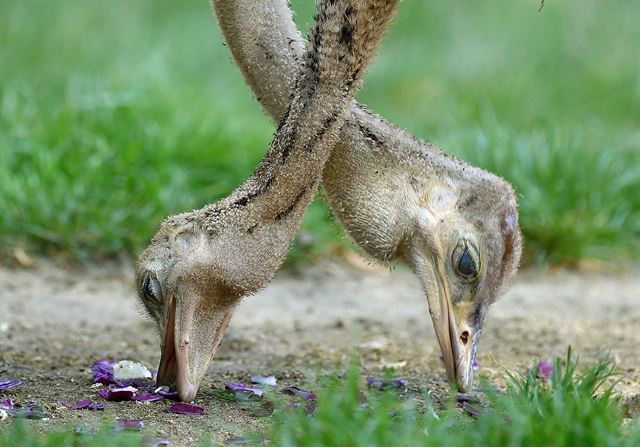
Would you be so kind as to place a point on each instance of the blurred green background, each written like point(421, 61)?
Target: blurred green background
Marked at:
point(115, 114)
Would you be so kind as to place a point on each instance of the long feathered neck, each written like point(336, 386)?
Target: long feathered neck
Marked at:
point(341, 44)
point(266, 46)
point(377, 174)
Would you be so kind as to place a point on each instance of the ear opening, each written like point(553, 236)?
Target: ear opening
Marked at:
point(186, 239)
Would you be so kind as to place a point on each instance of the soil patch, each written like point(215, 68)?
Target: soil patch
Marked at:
point(54, 322)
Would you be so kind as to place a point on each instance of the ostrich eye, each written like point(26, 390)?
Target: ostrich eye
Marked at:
point(151, 290)
point(466, 260)
point(466, 266)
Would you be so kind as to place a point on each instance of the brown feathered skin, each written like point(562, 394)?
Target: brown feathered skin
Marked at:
point(200, 264)
point(399, 198)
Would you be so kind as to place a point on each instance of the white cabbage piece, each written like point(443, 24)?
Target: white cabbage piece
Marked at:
point(128, 369)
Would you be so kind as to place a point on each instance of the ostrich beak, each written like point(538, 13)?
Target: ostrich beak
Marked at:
point(192, 334)
point(458, 340)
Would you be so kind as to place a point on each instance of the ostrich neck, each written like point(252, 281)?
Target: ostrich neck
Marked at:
point(311, 110)
point(284, 183)
point(376, 174)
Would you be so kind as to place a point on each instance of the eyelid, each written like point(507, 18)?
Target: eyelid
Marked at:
point(144, 286)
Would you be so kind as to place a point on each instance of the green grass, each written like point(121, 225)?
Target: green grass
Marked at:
point(114, 115)
point(20, 434)
point(568, 409)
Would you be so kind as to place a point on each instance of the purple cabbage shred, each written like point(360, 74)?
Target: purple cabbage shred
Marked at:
point(118, 394)
point(103, 372)
point(295, 391)
point(82, 405)
point(167, 394)
point(85, 405)
point(147, 397)
point(242, 390)
point(182, 408)
point(545, 369)
point(6, 404)
point(9, 383)
point(378, 384)
point(464, 397)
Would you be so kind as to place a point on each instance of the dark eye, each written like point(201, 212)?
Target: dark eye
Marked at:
point(466, 266)
point(466, 260)
point(151, 289)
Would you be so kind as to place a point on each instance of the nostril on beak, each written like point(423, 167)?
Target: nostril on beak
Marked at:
point(464, 337)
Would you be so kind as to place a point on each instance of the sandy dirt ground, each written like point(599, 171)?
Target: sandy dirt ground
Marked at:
point(54, 322)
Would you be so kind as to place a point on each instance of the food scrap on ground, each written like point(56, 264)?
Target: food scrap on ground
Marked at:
point(89, 405)
point(262, 380)
point(378, 384)
point(255, 401)
point(103, 372)
point(123, 373)
point(130, 370)
point(9, 383)
point(128, 381)
point(86, 404)
point(6, 404)
point(241, 390)
point(464, 397)
point(118, 394)
point(167, 393)
point(545, 369)
point(295, 391)
point(147, 397)
point(182, 408)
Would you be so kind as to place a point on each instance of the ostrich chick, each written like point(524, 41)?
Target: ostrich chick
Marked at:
point(200, 264)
